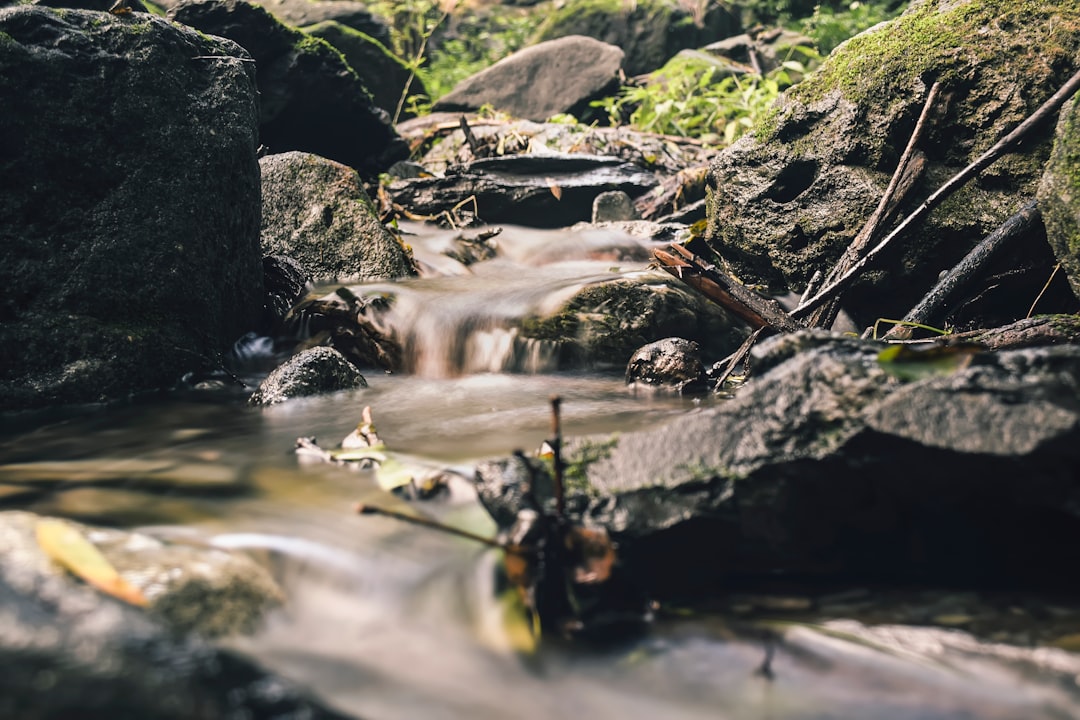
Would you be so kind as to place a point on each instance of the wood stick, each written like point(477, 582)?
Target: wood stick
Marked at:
point(932, 308)
point(738, 356)
point(756, 310)
point(363, 509)
point(556, 458)
point(1047, 109)
point(825, 316)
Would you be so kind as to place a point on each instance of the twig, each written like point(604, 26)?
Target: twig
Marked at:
point(1043, 291)
point(1047, 109)
point(756, 310)
point(738, 356)
point(474, 145)
point(556, 457)
point(825, 316)
point(935, 304)
point(362, 509)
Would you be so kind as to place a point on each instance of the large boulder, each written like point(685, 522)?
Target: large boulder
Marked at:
point(309, 98)
point(129, 209)
point(558, 76)
point(787, 200)
point(836, 461)
point(305, 12)
point(1059, 195)
point(315, 211)
point(384, 74)
point(650, 32)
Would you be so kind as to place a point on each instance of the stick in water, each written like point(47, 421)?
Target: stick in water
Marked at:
point(556, 457)
point(362, 509)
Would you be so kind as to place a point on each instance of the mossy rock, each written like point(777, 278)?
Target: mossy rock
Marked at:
point(1059, 195)
point(786, 201)
point(605, 323)
point(650, 32)
point(383, 74)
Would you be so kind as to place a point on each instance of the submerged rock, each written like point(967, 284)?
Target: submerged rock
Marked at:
point(130, 204)
point(543, 80)
point(829, 465)
point(606, 322)
point(205, 590)
point(316, 211)
point(787, 200)
point(314, 371)
point(1059, 195)
point(309, 98)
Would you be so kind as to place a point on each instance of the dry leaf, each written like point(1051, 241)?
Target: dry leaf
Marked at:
point(554, 188)
point(63, 543)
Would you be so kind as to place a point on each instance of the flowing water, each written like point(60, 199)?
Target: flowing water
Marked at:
point(385, 620)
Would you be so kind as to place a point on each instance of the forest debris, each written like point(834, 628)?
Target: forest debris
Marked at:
point(62, 542)
point(756, 310)
point(936, 303)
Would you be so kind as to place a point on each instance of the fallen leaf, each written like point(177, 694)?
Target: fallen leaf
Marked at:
point(554, 188)
point(62, 542)
point(909, 363)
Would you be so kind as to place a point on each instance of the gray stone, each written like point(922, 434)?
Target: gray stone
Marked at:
point(316, 211)
point(1059, 195)
point(557, 76)
point(614, 206)
point(309, 98)
point(788, 199)
point(204, 590)
point(829, 464)
point(314, 371)
point(129, 205)
point(671, 364)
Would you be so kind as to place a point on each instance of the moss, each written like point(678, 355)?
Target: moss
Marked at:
point(581, 457)
point(876, 64)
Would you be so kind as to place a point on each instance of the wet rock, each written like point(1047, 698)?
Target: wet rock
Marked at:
point(314, 371)
point(383, 74)
point(606, 322)
point(1059, 195)
point(108, 293)
point(316, 211)
point(286, 282)
point(672, 364)
point(67, 650)
point(558, 76)
point(309, 98)
point(205, 590)
point(787, 200)
point(827, 464)
point(534, 190)
point(613, 206)
point(650, 32)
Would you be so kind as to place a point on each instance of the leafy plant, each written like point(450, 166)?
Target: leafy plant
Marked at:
point(828, 27)
point(698, 96)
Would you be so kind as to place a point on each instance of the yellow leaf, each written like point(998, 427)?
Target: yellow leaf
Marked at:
point(63, 543)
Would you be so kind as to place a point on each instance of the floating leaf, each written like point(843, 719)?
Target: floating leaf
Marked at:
point(910, 363)
point(62, 542)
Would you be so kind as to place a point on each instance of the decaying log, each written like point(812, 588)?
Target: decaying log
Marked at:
point(756, 310)
point(933, 307)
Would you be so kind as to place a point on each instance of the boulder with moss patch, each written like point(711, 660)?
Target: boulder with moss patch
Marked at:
point(1059, 195)
point(788, 200)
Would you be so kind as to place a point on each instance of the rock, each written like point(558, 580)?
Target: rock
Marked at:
point(315, 211)
point(827, 464)
point(549, 190)
point(314, 371)
point(787, 201)
point(67, 650)
point(383, 74)
point(613, 206)
point(299, 13)
point(606, 322)
point(672, 364)
point(495, 139)
point(129, 216)
point(558, 76)
point(650, 32)
point(204, 590)
point(770, 47)
point(286, 283)
point(309, 98)
point(1059, 195)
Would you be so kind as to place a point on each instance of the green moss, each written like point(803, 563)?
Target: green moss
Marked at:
point(939, 45)
point(584, 454)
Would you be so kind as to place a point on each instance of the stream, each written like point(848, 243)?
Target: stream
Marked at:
point(389, 621)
